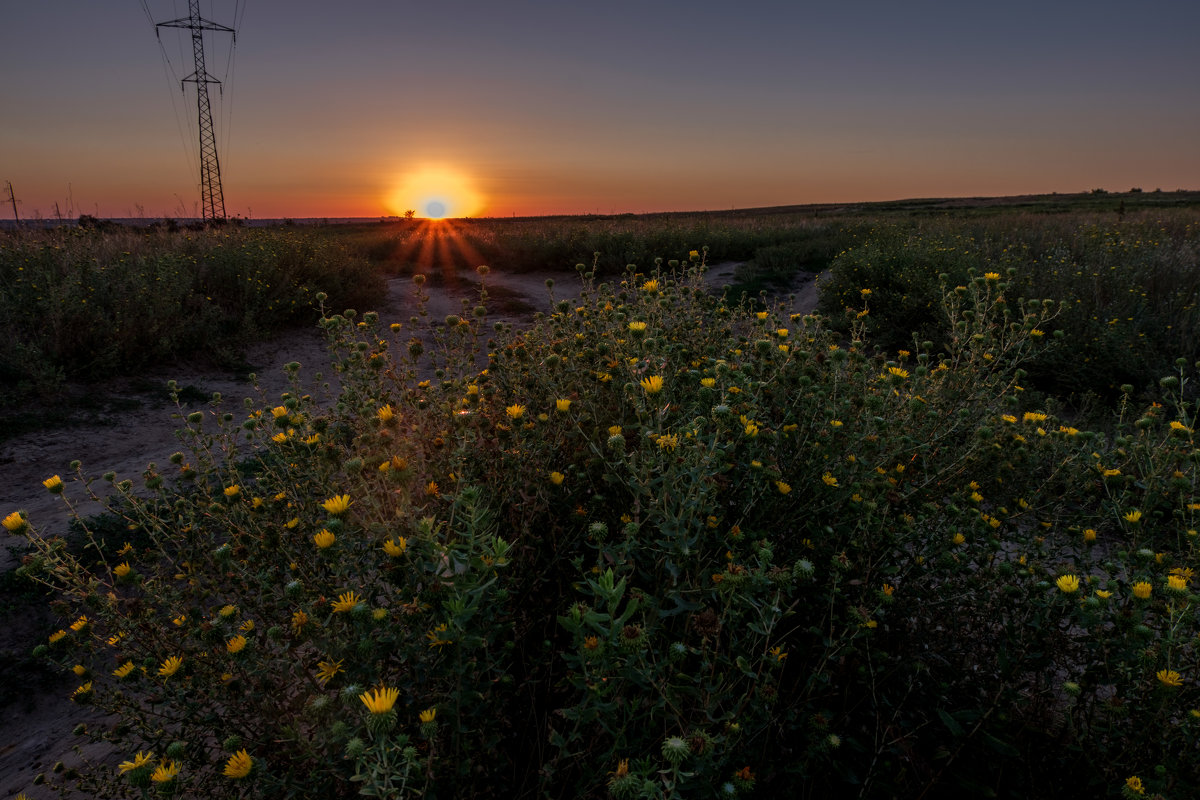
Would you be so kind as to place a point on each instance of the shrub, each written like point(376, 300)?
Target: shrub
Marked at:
point(661, 546)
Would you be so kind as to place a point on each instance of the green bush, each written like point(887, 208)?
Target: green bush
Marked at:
point(661, 546)
point(85, 304)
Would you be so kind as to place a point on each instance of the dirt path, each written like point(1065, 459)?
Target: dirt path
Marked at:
point(140, 428)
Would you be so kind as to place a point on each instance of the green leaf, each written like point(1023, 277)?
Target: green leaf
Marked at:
point(950, 723)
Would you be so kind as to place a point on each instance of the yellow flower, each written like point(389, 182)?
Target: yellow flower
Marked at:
point(959, 538)
point(562, 404)
point(650, 286)
point(139, 761)
point(515, 411)
point(233, 491)
point(1067, 584)
point(385, 414)
point(428, 715)
point(381, 700)
point(783, 487)
point(637, 326)
point(165, 772)
point(123, 569)
point(1169, 677)
point(227, 611)
point(829, 480)
point(14, 522)
point(435, 636)
point(1142, 590)
point(79, 624)
point(708, 383)
point(327, 669)
point(1037, 333)
point(395, 547)
point(346, 602)
point(1089, 535)
point(557, 478)
point(1134, 785)
point(1103, 595)
point(1176, 425)
point(835, 423)
point(1176, 583)
point(299, 620)
point(279, 412)
point(1133, 517)
point(778, 654)
point(432, 489)
point(337, 504)
point(239, 765)
point(652, 384)
point(991, 276)
point(888, 589)
point(82, 691)
point(897, 372)
point(236, 644)
point(667, 442)
point(1034, 416)
point(124, 670)
point(761, 315)
point(324, 539)
point(54, 484)
point(170, 666)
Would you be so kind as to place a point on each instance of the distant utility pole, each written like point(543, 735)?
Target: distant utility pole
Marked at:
point(211, 195)
point(13, 198)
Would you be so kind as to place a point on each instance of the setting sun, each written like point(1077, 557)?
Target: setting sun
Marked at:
point(435, 193)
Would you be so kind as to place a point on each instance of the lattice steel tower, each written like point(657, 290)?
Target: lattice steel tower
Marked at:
point(212, 196)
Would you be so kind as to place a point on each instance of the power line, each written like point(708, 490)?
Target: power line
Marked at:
point(212, 196)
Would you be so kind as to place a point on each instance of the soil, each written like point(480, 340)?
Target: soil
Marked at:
point(135, 426)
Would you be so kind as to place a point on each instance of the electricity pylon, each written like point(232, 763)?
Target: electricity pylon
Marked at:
point(212, 196)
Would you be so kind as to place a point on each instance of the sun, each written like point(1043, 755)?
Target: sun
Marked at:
point(434, 192)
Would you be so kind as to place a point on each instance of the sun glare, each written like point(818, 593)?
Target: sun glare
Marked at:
point(435, 193)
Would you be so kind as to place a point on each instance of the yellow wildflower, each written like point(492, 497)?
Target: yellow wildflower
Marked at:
point(236, 644)
point(122, 570)
point(15, 523)
point(239, 765)
point(170, 666)
point(637, 326)
point(652, 384)
point(124, 670)
point(1133, 517)
point(783, 487)
point(381, 700)
point(515, 411)
point(139, 761)
point(557, 478)
point(324, 539)
point(337, 505)
point(428, 715)
point(54, 484)
point(395, 547)
point(1169, 677)
point(650, 286)
point(165, 772)
point(562, 404)
point(327, 669)
point(233, 491)
point(346, 602)
point(667, 442)
point(829, 480)
point(385, 414)
point(1142, 590)
point(1067, 584)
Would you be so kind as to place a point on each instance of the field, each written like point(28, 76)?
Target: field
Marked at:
point(938, 537)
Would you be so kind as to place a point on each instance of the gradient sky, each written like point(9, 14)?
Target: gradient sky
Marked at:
point(571, 107)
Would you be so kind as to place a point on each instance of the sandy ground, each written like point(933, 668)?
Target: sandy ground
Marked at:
point(37, 733)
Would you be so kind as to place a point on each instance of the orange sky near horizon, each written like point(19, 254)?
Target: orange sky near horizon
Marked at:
point(546, 108)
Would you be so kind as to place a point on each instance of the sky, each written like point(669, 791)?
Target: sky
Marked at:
point(366, 108)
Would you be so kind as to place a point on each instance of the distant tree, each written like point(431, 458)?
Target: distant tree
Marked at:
point(409, 214)
point(1136, 190)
